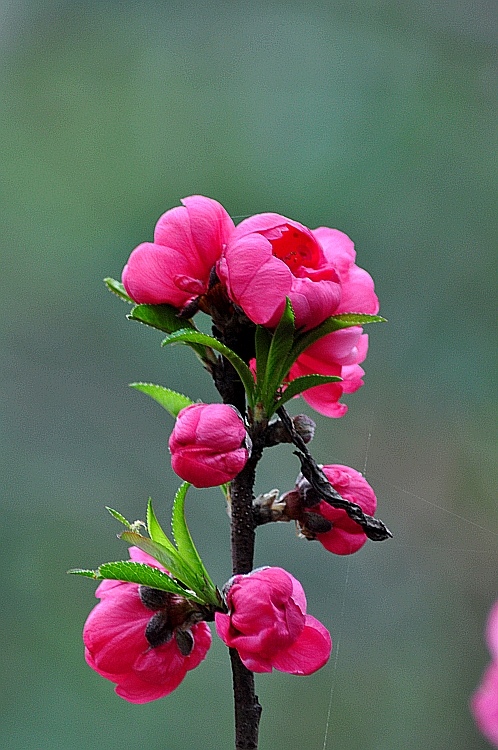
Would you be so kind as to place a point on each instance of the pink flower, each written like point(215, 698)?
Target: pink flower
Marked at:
point(268, 625)
point(484, 702)
point(338, 353)
point(332, 527)
point(208, 444)
point(270, 257)
point(346, 536)
point(117, 648)
point(175, 268)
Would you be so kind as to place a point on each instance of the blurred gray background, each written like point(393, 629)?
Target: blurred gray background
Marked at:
point(374, 117)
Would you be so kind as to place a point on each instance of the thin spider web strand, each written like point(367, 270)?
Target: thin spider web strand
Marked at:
point(337, 642)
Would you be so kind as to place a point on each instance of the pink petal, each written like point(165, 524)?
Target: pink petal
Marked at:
point(211, 227)
point(308, 653)
point(149, 276)
point(270, 225)
point(313, 301)
point(135, 690)
point(249, 271)
point(352, 485)
point(484, 704)
point(173, 231)
point(337, 247)
point(325, 400)
point(344, 539)
point(203, 469)
point(358, 293)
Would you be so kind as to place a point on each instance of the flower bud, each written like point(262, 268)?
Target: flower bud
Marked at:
point(209, 444)
point(268, 625)
point(305, 427)
point(317, 519)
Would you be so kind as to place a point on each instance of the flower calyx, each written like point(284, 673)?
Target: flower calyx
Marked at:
point(173, 616)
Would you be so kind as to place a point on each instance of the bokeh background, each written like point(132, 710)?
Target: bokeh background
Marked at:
point(374, 117)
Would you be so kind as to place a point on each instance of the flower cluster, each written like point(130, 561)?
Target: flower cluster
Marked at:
point(146, 640)
point(484, 702)
point(285, 302)
point(122, 645)
point(259, 263)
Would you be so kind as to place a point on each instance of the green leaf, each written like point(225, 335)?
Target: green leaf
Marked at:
point(86, 573)
point(334, 323)
point(281, 345)
point(168, 557)
point(143, 574)
point(116, 287)
point(298, 385)
point(196, 337)
point(170, 400)
point(119, 517)
point(185, 544)
point(155, 530)
point(163, 317)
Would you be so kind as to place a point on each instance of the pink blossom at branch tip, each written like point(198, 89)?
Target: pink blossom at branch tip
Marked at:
point(268, 625)
point(270, 257)
point(338, 353)
point(484, 701)
point(116, 646)
point(176, 266)
point(209, 444)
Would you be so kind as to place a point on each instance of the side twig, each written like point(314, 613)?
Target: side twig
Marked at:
point(374, 528)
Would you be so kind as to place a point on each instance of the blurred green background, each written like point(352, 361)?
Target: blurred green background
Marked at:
point(374, 117)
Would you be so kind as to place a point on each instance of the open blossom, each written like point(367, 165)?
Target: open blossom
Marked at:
point(484, 701)
point(209, 444)
point(268, 625)
point(270, 257)
point(332, 527)
point(117, 648)
point(338, 353)
point(175, 268)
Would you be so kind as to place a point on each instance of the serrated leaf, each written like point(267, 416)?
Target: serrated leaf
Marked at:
point(155, 530)
point(82, 572)
point(334, 323)
point(298, 385)
point(170, 400)
point(168, 557)
point(196, 337)
point(115, 514)
point(116, 287)
point(281, 345)
point(185, 544)
point(131, 571)
point(163, 317)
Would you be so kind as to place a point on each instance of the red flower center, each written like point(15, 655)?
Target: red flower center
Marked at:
point(296, 250)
